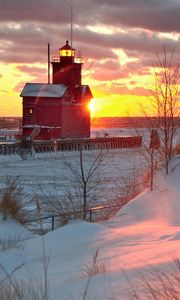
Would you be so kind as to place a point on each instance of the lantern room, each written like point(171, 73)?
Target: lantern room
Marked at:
point(66, 53)
point(66, 70)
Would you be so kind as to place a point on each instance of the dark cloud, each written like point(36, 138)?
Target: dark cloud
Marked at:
point(41, 11)
point(34, 71)
point(117, 89)
point(110, 70)
point(141, 91)
point(109, 75)
point(28, 26)
point(129, 40)
point(38, 75)
point(155, 15)
point(110, 64)
point(42, 78)
point(18, 88)
point(121, 89)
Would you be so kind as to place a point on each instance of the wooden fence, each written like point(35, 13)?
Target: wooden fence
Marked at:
point(72, 145)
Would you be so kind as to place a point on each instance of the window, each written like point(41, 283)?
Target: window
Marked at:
point(28, 115)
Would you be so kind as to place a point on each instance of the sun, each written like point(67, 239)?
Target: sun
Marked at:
point(91, 106)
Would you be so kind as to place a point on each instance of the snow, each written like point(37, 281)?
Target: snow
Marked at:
point(47, 172)
point(43, 90)
point(144, 234)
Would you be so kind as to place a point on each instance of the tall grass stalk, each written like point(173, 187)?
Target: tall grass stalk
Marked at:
point(44, 256)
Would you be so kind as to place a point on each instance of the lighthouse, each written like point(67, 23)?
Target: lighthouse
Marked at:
point(58, 110)
point(67, 70)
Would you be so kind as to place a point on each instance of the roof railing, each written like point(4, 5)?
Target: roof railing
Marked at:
point(77, 59)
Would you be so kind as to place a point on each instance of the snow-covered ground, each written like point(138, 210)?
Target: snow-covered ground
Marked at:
point(144, 234)
point(48, 172)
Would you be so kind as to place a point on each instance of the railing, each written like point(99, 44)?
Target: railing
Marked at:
point(77, 59)
point(90, 213)
point(76, 144)
point(35, 131)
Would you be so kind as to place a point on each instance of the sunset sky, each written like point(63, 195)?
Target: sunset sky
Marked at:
point(117, 39)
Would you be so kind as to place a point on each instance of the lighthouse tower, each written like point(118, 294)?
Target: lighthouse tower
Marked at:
point(66, 70)
point(61, 109)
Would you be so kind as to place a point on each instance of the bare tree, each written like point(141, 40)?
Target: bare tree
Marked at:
point(165, 101)
point(84, 173)
point(162, 123)
point(152, 152)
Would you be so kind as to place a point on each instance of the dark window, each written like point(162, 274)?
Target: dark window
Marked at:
point(29, 115)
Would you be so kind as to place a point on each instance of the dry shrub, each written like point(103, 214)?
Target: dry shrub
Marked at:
point(20, 290)
point(44, 256)
point(64, 207)
point(159, 284)
point(97, 266)
point(11, 200)
point(164, 286)
point(11, 241)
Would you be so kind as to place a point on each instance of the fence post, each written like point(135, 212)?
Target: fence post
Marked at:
point(90, 215)
point(52, 223)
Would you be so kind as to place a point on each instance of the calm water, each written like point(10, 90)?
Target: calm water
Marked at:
point(115, 122)
point(120, 122)
point(10, 122)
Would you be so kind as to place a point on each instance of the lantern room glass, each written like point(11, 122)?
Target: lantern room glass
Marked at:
point(66, 53)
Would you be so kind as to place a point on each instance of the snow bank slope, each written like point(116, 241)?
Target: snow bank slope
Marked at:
point(145, 233)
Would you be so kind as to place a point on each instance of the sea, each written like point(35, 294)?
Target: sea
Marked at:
point(14, 123)
point(97, 124)
point(100, 127)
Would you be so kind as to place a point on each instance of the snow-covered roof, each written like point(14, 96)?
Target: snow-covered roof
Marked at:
point(86, 89)
point(43, 90)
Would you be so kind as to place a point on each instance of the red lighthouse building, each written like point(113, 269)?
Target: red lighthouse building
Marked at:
point(61, 109)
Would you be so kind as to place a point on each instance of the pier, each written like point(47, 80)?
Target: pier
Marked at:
point(72, 144)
